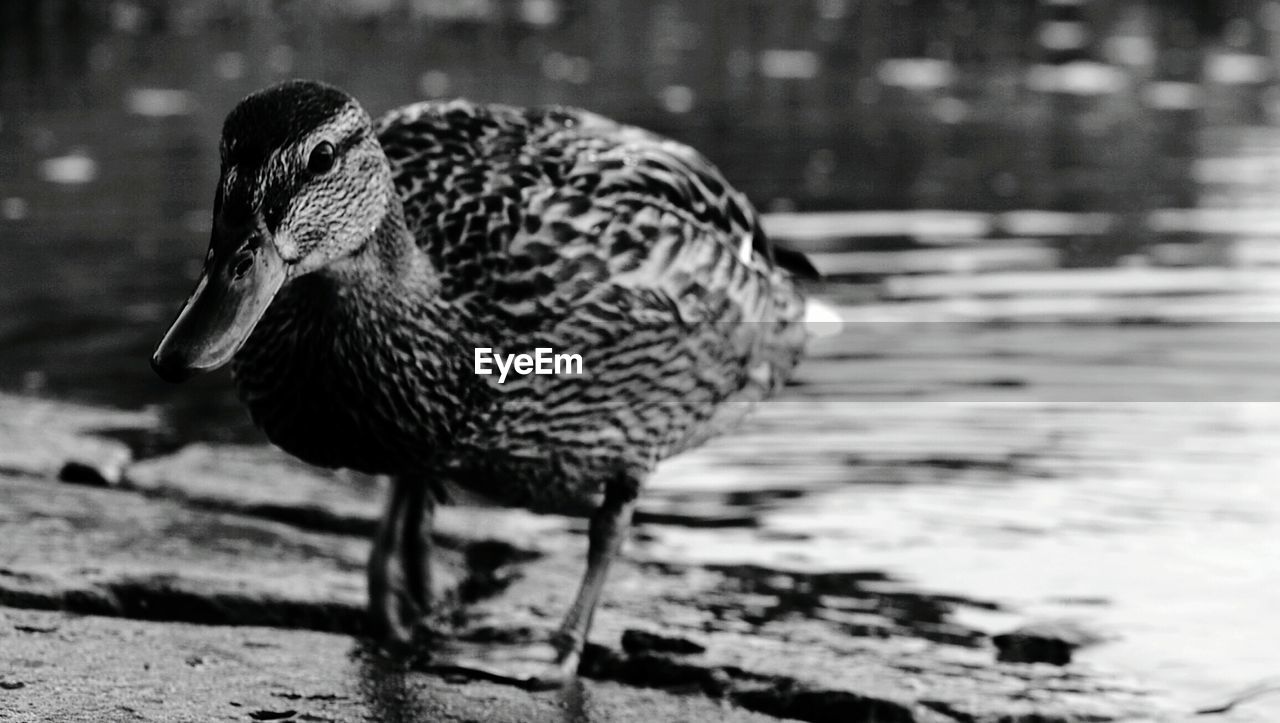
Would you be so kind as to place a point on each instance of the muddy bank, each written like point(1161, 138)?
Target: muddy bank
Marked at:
point(55, 666)
point(235, 536)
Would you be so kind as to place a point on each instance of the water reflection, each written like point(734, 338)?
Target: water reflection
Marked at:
point(828, 104)
point(109, 114)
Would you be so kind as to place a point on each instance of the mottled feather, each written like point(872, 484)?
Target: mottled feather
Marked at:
point(532, 228)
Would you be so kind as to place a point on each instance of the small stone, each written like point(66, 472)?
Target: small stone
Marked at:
point(639, 641)
point(36, 628)
point(273, 714)
point(12, 684)
point(81, 473)
point(1046, 641)
point(42, 438)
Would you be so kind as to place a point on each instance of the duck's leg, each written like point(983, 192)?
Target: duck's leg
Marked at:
point(400, 564)
point(608, 530)
point(549, 664)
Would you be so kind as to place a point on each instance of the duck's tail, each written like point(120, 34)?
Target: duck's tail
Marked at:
point(822, 318)
point(795, 262)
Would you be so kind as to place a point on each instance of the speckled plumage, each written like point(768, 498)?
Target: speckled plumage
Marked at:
point(529, 228)
point(355, 267)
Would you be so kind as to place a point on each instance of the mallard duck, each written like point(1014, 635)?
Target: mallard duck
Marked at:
point(356, 266)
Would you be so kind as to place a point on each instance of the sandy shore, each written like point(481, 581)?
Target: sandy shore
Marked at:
point(227, 583)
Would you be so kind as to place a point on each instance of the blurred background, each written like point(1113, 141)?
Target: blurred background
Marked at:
point(889, 137)
point(1052, 219)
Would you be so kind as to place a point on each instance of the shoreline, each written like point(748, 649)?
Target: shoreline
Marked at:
point(201, 537)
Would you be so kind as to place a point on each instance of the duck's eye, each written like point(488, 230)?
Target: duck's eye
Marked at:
point(242, 266)
point(321, 160)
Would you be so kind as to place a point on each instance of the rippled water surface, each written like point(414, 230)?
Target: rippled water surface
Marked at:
point(1151, 522)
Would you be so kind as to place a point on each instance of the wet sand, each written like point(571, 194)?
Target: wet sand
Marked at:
point(921, 489)
point(200, 570)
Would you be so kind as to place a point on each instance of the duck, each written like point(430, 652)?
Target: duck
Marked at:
point(357, 268)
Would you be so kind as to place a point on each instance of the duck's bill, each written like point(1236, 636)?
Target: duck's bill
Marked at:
point(232, 295)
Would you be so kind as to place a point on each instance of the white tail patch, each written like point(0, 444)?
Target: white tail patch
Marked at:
point(821, 318)
point(744, 248)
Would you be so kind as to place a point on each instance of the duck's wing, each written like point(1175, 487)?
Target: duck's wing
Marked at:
point(466, 174)
point(535, 211)
point(617, 162)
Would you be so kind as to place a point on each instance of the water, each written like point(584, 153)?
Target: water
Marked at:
point(110, 111)
point(1148, 521)
point(1123, 475)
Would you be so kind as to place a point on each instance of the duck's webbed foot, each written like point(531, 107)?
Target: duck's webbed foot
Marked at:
point(548, 664)
point(400, 564)
point(530, 665)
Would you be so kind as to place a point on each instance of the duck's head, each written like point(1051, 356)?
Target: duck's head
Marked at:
point(304, 183)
